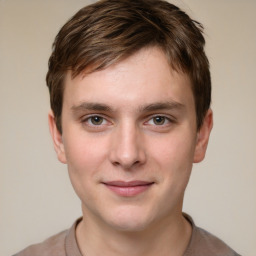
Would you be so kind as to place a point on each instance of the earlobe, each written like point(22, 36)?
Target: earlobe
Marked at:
point(203, 136)
point(57, 138)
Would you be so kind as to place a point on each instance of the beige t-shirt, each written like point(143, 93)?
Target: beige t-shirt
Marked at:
point(202, 243)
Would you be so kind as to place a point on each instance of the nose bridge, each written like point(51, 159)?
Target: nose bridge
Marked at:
point(127, 149)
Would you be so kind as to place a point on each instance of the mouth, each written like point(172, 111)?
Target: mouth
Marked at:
point(128, 189)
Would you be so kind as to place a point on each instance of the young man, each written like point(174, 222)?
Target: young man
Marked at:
point(130, 95)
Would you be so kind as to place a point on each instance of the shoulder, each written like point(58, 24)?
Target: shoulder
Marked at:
point(204, 243)
point(61, 244)
point(55, 245)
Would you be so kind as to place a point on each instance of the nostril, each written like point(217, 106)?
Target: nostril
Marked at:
point(127, 165)
point(115, 163)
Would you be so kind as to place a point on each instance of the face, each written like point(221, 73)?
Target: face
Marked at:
point(129, 140)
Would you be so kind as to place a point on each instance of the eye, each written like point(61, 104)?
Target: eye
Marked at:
point(159, 120)
point(95, 120)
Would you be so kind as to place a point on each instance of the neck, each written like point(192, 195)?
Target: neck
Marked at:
point(168, 238)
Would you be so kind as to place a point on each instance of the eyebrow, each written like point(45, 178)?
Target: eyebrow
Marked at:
point(169, 105)
point(90, 106)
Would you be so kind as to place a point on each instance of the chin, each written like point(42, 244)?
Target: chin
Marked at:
point(130, 221)
point(129, 226)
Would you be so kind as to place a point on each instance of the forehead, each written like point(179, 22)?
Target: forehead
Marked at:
point(145, 77)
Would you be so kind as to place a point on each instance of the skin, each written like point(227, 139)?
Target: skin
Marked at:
point(133, 121)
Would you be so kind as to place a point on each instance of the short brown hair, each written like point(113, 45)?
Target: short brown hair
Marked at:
point(108, 31)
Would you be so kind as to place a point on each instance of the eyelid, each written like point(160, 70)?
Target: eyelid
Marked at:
point(87, 116)
point(168, 117)
point(85, 119)
point(169, 121)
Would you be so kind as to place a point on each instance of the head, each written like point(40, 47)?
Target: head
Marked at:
point(130, 93)
point(109, 31)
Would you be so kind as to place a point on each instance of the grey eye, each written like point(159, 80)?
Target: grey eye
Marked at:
point(96, 120)
point(159, 120)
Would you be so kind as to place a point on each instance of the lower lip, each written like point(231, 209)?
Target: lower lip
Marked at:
point(128, 191)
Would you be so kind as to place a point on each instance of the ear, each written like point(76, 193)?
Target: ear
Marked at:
point(57, 138)
point(203, 137)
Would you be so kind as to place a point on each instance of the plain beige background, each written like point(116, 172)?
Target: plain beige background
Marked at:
point(36, 198)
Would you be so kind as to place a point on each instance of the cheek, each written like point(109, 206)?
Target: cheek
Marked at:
point(84, 152)
point(85, 157)
point(176, 149)
point(83, 161)
point(175, 160)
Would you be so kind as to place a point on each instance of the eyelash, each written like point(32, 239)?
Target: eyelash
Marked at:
point(105, 122)
point(167, 120)
point(88, 120)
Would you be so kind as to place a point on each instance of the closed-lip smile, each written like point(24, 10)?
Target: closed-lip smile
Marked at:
point(128, 188)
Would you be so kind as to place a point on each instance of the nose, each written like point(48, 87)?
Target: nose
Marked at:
point(127, 148)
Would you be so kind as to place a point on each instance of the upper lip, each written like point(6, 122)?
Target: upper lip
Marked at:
point(119, 183)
